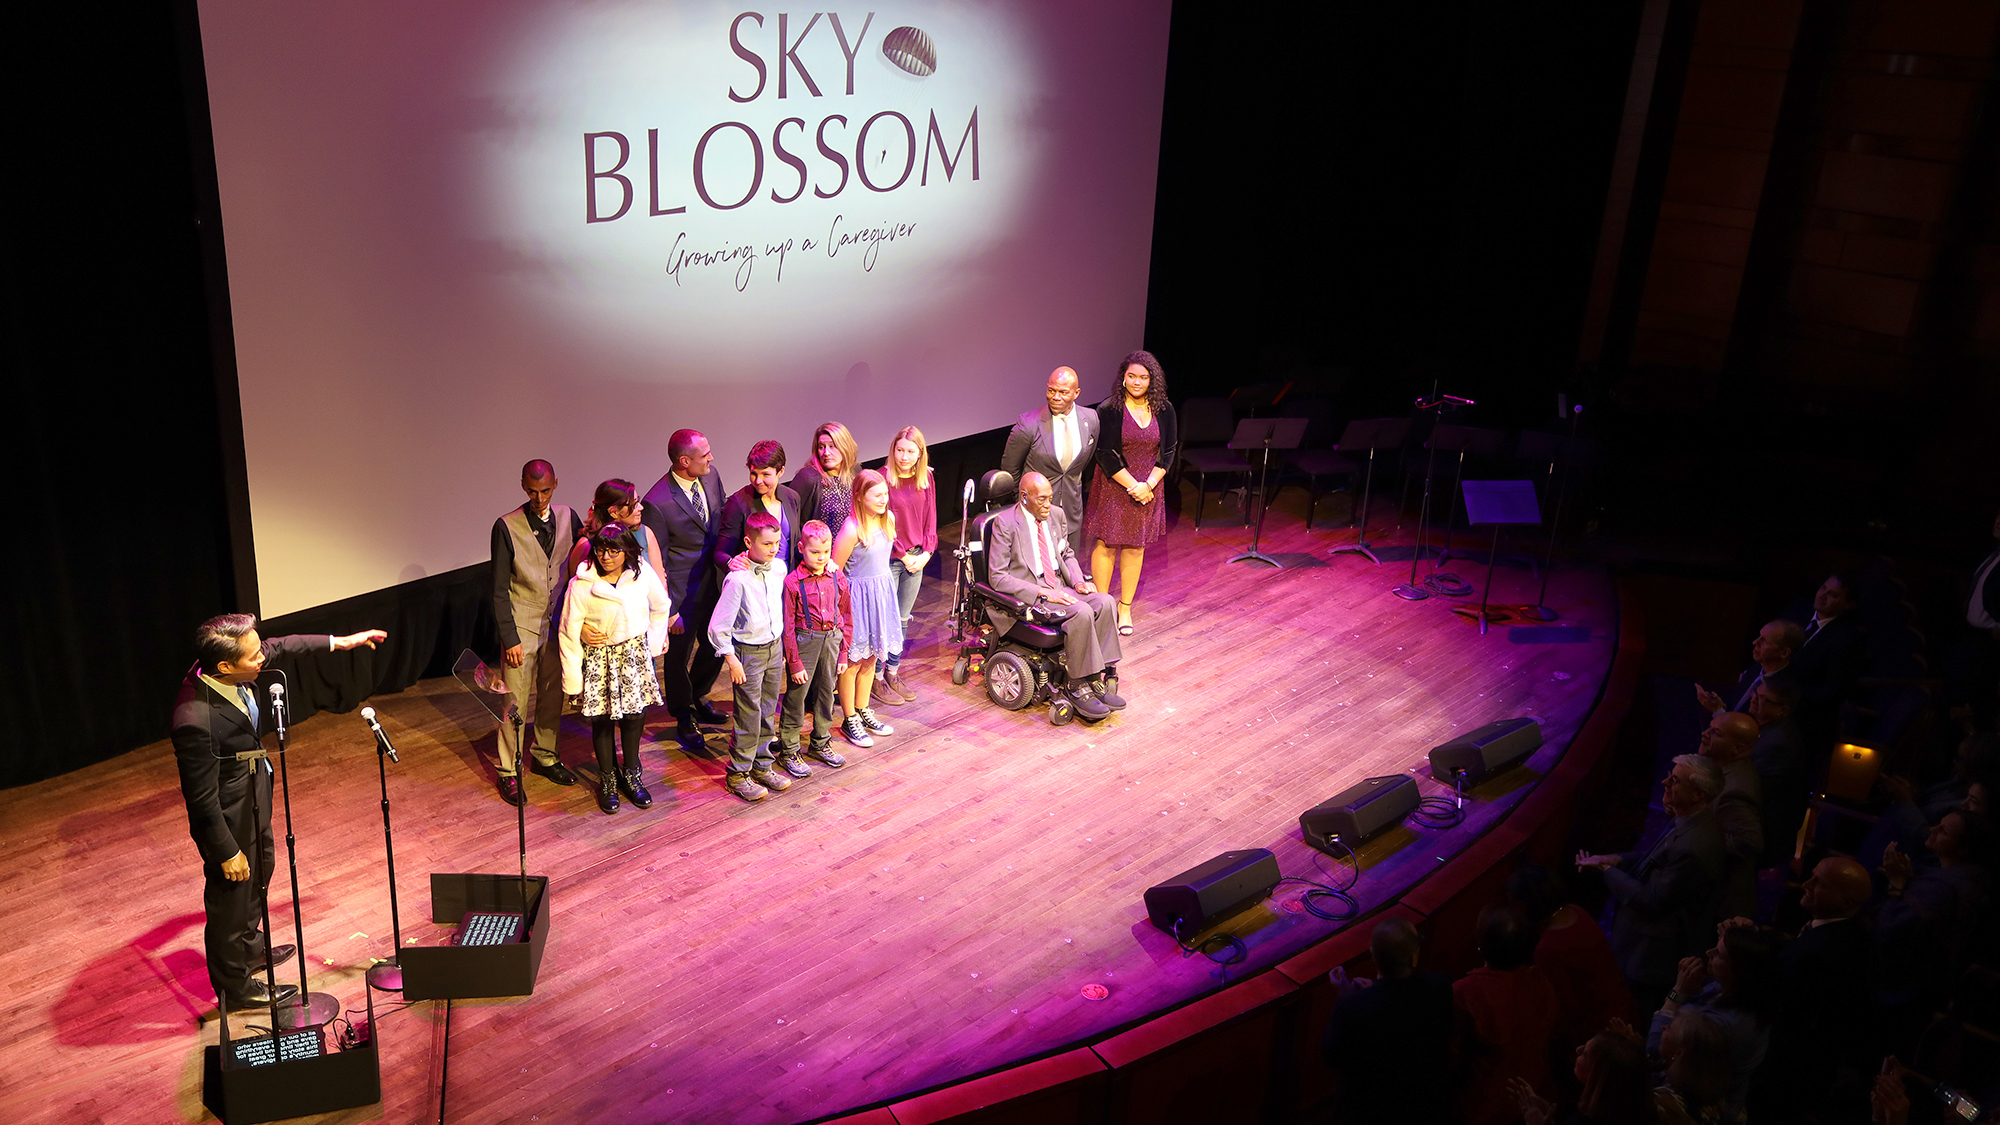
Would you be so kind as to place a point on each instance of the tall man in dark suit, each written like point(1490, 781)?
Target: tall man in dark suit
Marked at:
point(1060, 442)
point(684, 513)
point(1828, 660)
point(1668, 896)
point(219, 722)
point(1770, 654)
point(1829, 997)
point(1031, 559)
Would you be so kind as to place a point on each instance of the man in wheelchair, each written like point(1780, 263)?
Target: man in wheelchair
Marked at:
point(1030, 563)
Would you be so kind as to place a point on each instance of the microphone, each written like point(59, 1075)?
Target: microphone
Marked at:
point(381, 736)
point(278, 708)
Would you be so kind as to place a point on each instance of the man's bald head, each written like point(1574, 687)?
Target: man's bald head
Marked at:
point(1730, 735)
point(1062, 390)
point(1037, 494)
point(1837, 888)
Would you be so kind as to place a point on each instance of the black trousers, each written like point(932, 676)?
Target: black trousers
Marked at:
point(235, 911)
point(691, 661)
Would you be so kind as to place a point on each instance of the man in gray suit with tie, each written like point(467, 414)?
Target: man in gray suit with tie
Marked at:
point(1669, 897)
point(1060, 442)
point(1031, 560)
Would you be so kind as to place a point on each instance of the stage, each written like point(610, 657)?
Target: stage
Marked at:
point(929, 913)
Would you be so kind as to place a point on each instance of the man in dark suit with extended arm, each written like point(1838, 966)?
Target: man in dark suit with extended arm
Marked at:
point(219, 722)
point(1668, 897)
point(1060, 442)
point(684, 513)
point(1031, 560)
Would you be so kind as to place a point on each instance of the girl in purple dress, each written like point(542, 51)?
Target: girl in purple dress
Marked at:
point(1137, 442)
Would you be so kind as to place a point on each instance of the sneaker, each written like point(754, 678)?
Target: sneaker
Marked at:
point(855, 732)
point(1105, 694)
point(633, 788)
point(741, 785)
point(770, 779)
point(874, 725)
point(824, 753)
point(787, 758)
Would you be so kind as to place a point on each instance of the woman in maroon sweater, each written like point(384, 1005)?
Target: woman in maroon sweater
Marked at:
point(914, 502)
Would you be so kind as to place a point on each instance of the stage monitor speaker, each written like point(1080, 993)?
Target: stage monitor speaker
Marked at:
point(1359, 813)
point(1199, 897)
point(1486, 751)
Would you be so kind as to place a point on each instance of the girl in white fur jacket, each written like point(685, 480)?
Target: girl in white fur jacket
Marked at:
point(617, 594)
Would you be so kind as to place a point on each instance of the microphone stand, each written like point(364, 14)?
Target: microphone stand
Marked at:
point(1568, 456)
point(310, 1009)
point(387, 975)
point(1412, 591)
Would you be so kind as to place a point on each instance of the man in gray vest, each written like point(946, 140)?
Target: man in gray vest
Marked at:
point(530, 545)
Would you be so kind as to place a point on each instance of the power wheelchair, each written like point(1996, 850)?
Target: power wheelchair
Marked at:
point(1023, 666)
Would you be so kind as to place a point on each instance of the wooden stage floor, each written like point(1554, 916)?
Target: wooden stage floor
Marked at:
point(928, 913)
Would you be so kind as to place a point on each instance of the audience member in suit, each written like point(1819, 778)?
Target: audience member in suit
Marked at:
point(1058, 441)
point(1508, 1014)
point(1828, 660)
point(1827, 999)
point(1573, 954)
point(1385, 1040)
point(1728, 741)
point(1780, 760)
point(219, 715)
point(684, 510)
point(1668, 895)
point(1137, 442)
point(826, 484)
point(1030, 559)
point(1926, 921)
point(763, 494)
point(1770, 654)
point(1737, 984)
point(530, 545)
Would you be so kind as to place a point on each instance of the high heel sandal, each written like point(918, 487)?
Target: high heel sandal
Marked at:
point(1125, 626)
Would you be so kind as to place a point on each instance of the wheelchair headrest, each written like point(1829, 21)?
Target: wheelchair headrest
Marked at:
point(996, 485)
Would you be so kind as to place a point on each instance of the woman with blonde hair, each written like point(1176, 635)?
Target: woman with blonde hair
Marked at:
point(862, 549)
point(913, 503)
point(1137, 442)
point(825, 483)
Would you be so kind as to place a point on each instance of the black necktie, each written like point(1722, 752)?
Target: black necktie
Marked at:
point(1812, 627)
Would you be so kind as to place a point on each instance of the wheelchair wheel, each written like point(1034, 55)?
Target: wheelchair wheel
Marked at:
point(1061, 712)
point(961, 669)
point(1010, 682)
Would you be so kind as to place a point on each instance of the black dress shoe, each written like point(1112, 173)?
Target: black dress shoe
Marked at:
point(686, 730)
point(554, 771)
point(1106, 695)
point(256, 996)
point(279, 956)
point(709, 715)
point(510, 789)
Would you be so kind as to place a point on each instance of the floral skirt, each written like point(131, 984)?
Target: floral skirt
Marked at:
point(618, 679)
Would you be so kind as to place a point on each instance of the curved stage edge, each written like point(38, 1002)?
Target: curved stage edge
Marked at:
point(1250, 1051)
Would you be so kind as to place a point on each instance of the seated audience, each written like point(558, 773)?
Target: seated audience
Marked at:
point(1386, 1041)
point(1507, 1018)
point(1735, 984)
point(1573, 954)
point(1770, 654)
point(1728, 741)
point(1668, 896)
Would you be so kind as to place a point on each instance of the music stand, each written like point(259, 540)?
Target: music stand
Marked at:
point(1498, 502)
point(1370, 434)
point(474, 966)
point(1266, 434)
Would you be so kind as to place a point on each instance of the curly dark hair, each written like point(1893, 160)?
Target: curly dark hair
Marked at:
point(1156, 389)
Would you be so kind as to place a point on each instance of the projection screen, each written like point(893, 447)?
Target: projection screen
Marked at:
point(461, 235)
